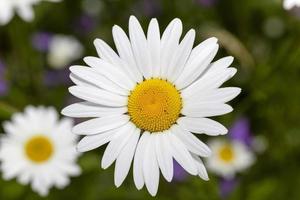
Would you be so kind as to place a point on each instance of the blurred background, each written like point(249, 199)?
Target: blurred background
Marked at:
point(261, 35)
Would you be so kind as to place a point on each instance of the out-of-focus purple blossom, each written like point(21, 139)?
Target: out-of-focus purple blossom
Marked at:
point(85, 24)
point(3, 83)
point(241, 132)
point(54, 78)
point(41, 40)
point(179, 173)
point(151, 8)
point(226, 186)
point(207, 3)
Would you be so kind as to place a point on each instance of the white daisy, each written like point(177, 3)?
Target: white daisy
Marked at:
point(148, 99)
point(289, 4)
point(24, 8)
point(229, 157)
point(63, 50)
point(39, 149)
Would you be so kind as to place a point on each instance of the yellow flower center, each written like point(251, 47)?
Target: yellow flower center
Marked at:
point(154, 105)
point(39, 149)
point(226, 153)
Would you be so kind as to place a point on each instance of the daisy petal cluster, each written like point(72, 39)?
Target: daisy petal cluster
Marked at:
point(22, 7)
point(39, 149)
point(289, 4)
point(148, 100)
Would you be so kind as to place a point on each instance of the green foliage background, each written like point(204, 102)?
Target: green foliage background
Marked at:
point(268, 73)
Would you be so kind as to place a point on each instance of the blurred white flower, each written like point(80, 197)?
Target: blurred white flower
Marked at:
point(39, 149)
point(24, 8)
point(229, 157)
point(63, 50)
point(92, 7)
point(289, 4)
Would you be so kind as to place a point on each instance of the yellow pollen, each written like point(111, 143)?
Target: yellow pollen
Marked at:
point(39, 149)
point(154, 105)
point(226, 153)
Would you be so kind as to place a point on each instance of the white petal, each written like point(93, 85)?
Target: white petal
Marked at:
point(209, 81)
point(91, 76)
point(79, 81)
point(193, 70)
point(39, 186)
point(202, 125)
point(201, 168)
point(289, 4)
point(222, 63)
point(98, 125)
point(24, 178)
point(139, 156)
point(87, 109)
point(98, 96)
point(60, 180)
point(11, 171)
point(181, 55)
point(220, 95)
point(110, 71)
point(117, 144)
point(164, 156)
point(198, 109)
point(125, 51)
point(68, 168)
point(91, 142)
point(25, 12)
point(6, 14)
point(200, 48)
point(125, 158)
point(169, 42)
point(192, 143)
point(150, 167)
point(182, 155)
point(140, 47)
point(153, 37)
point(108, 54)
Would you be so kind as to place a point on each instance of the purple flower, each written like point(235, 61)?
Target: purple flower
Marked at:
point(151, 7)
point(179, 173)
point(41, 40)
point(3, 83)
point(240, 131)
point(85, 24)
point(206, 3)
point(226, 186)
point(57, 77)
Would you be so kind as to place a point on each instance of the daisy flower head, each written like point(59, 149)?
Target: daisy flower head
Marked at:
point(229, 157)
point(149, 100)
point(39, 149)
point(24, 8)
point(289, 4)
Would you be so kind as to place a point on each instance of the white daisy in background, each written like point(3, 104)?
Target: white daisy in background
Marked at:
point(39, 149)
point(24, 8)
point(289, 4)
point(63, 50)
point(149, 99)
point(229, 157)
